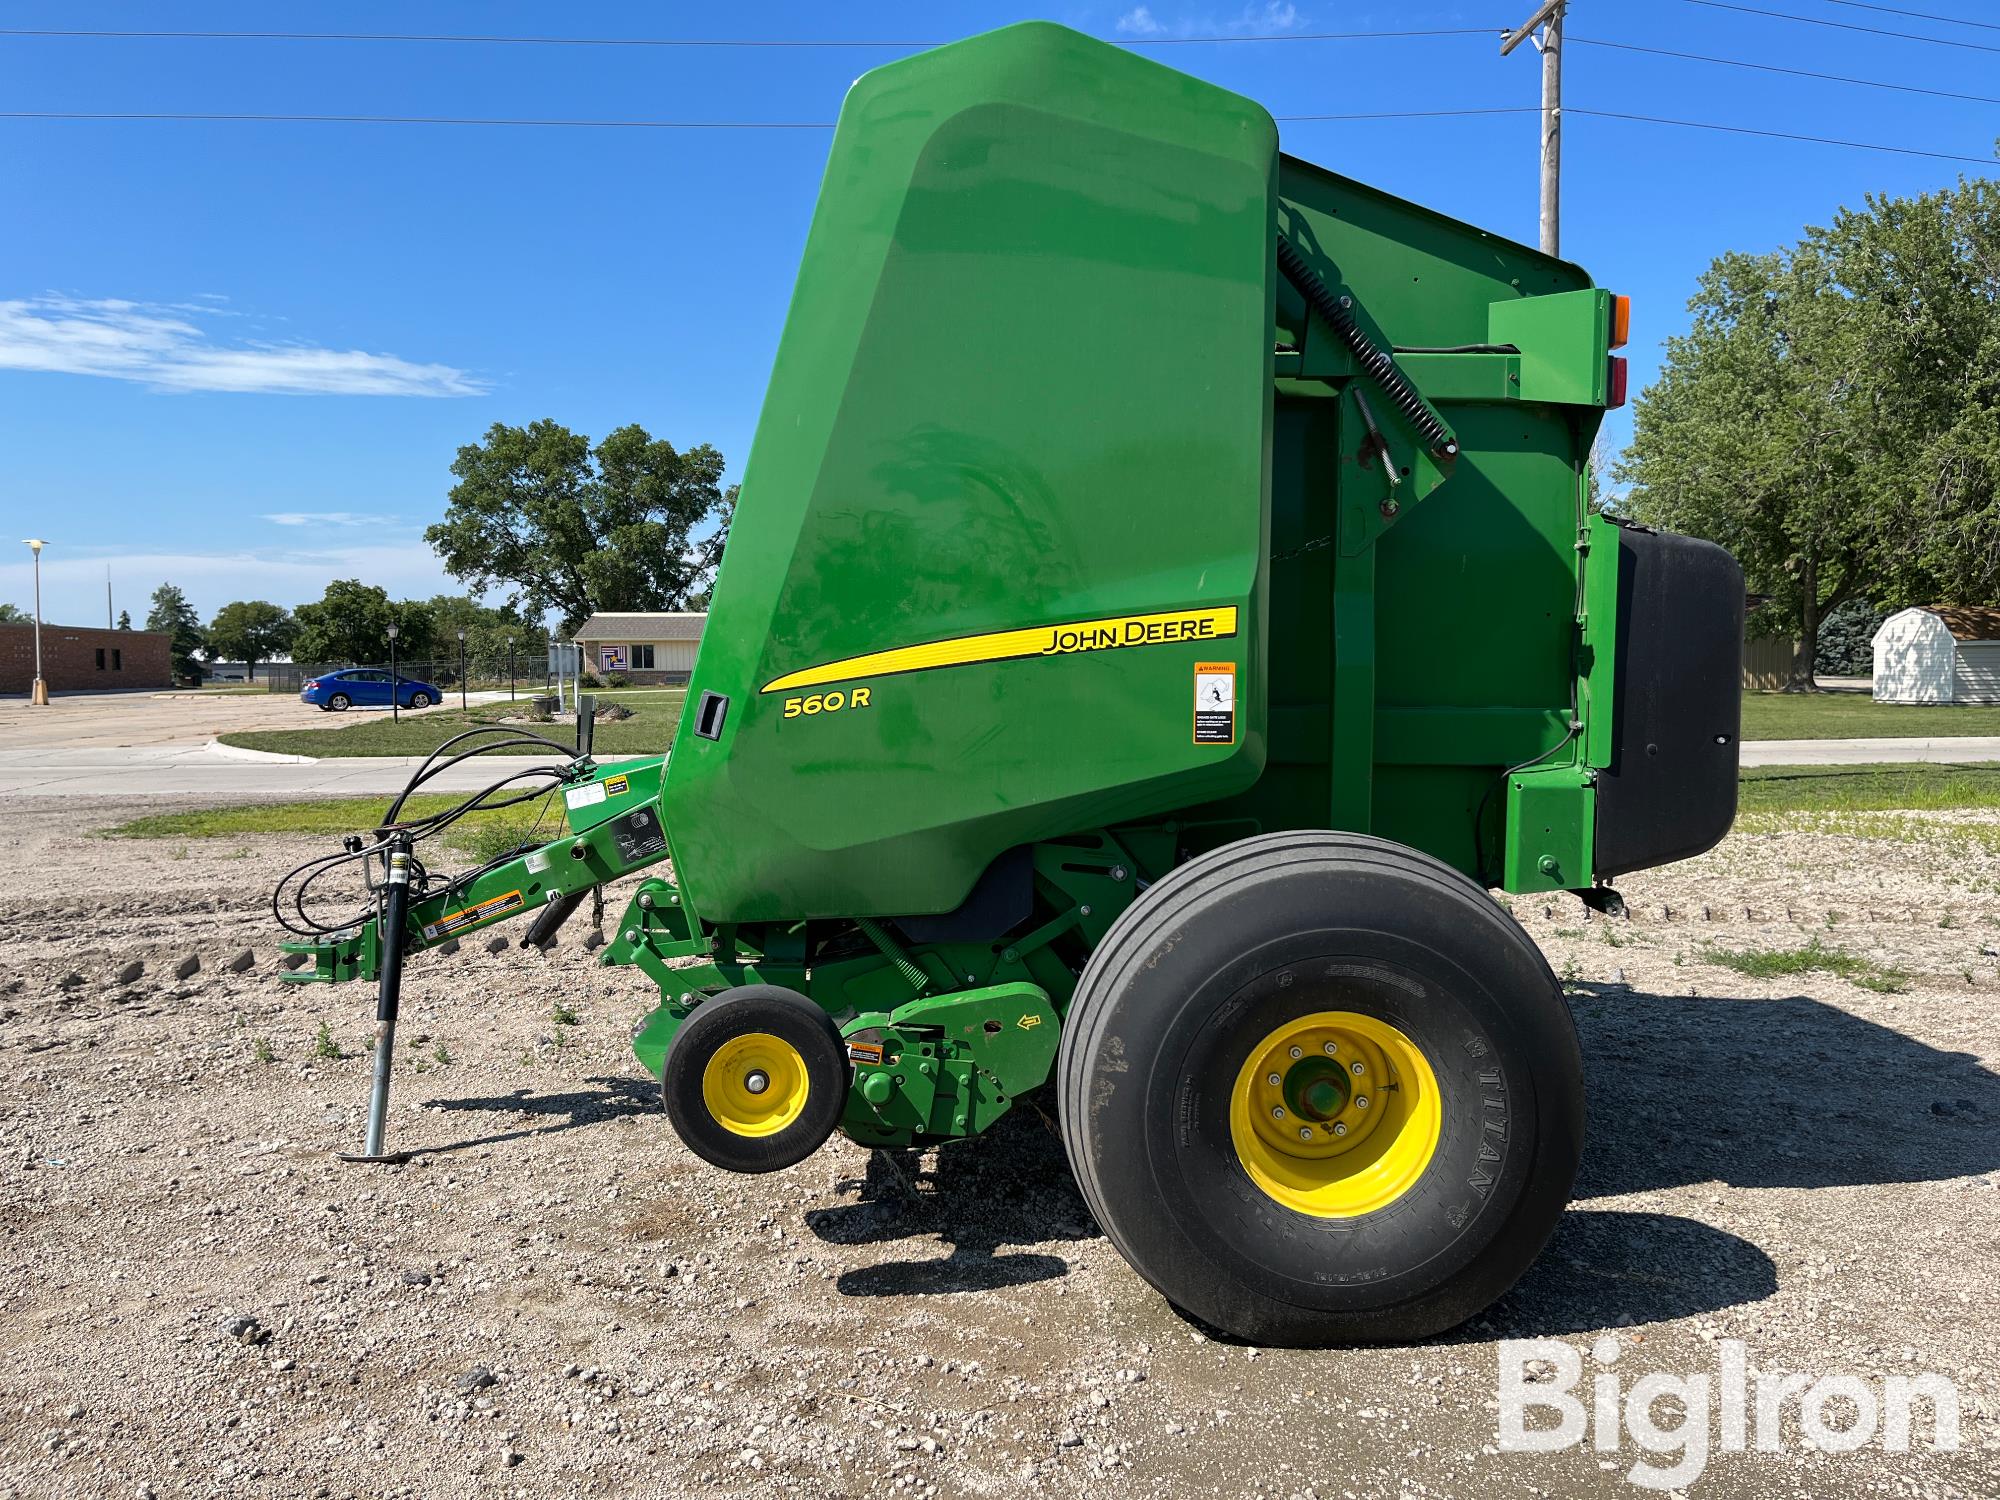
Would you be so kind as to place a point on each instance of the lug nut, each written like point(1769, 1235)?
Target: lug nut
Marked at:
point(1274, 1080)
point(1305, 1132)
point(1360, 1068)
point(1298, 1052)
point(1277, 1111)
point(1330, 1049)
point(1339, 1129)
point(1360, 1101)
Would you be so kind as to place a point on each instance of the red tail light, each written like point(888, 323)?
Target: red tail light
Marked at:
point(1614, 384)
point(311, 683)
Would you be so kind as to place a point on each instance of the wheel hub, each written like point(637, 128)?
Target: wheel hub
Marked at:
point(1335, 1114)
point(755, 1084)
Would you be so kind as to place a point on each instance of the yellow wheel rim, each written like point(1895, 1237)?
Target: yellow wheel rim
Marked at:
point(1335, 1114)
point(755, 1084)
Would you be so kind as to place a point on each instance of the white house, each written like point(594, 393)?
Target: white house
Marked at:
point(1939, 653)
point(655, 647)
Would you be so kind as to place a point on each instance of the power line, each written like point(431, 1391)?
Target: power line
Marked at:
point(266, 119)
point(1781, 15)
point(660, 41)
point(781, 125)
point(1916, 15)
point(1785, 135)
point(1733, 62)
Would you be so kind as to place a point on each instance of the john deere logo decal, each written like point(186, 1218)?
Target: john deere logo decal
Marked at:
point(1110, 634)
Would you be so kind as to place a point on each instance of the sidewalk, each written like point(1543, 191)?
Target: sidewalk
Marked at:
point(1941, 748)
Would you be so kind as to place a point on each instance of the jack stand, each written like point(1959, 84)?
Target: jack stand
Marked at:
point(394, 911)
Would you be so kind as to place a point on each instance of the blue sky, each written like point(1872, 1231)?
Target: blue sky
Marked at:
point(240, 356)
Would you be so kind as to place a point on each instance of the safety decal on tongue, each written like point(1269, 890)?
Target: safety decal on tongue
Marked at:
point(1215, 703)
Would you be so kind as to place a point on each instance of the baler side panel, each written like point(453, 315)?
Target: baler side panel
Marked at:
point(1024, 383)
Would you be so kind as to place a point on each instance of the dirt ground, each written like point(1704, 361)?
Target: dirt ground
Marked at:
point(553, 1298)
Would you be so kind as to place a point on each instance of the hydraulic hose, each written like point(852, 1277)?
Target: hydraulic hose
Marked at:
point(1378, 364)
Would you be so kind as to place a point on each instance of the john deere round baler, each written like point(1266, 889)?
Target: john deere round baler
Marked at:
point(1163, 601)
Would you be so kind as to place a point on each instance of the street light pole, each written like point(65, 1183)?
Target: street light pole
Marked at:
point(395, 681)
point(510, 669)
point(461, 671)
point(38, 696)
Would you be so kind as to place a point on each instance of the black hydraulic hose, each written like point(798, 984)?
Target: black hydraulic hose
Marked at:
point(549, 920)
point(432, 766)
point(1378, 364)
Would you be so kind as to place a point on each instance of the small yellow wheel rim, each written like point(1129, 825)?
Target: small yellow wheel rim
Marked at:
point(755, 1084)
point(1335, 1114)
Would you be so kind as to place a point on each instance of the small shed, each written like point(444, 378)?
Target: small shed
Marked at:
point(654, 647)
point(1939, 653)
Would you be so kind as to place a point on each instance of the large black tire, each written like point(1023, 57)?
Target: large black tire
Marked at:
point(1254, 936)
point(801, 1059)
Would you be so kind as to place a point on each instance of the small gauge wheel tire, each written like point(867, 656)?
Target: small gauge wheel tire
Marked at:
point(756, 1079)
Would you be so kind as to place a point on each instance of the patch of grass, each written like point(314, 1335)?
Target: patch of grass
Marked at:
point(324, 1045)
point(263, 1051)
point(443, 1057)
point(1900, 787)
point(481, 836)
point(1813, 958)
point(1850, 715)
point(564, 1014)
point(650, 730)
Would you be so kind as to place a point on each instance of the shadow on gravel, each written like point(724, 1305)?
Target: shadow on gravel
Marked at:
point(606, 1100)
point(1010, 1186)
point(1604, 1269)
point(1771, 1093)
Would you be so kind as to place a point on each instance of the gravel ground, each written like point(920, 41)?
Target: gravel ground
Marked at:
point(554, 1298)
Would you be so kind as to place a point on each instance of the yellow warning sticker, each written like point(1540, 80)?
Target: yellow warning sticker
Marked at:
point(472, 916)
point(617, 786)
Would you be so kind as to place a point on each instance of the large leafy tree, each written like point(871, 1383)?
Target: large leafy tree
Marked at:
point(13, 614)
point(251, 629)
point(1831, 414)
point(173, 615)
point(350, 623)
point(630, 524)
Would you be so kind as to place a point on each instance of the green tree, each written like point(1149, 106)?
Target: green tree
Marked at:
point(1833, 414)
point(251, 629)
point(13, 614)
point(487, 629)
point(350, 623)
point(172, 615)
point(124, 619)
point(574, 530)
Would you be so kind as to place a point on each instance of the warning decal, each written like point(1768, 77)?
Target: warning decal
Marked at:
point(617, 786)
point(1215, 703)
point(472, 916)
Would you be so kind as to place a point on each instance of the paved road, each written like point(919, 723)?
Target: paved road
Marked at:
point(132, 720)
point(1871, 751)
point(151, 771)
point(159, 770)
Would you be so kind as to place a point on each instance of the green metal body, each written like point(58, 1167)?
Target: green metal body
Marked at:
point(1051, 450)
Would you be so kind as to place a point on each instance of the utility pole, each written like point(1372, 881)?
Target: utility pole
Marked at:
point(38, 695)
point(1550, 19)
point(109, 622)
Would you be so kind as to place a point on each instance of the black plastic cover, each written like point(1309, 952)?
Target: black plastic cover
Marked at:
point(1670, 790)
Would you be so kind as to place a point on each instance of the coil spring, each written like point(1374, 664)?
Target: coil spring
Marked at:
point(1374, 362)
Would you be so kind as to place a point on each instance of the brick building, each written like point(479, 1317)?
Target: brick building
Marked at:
point(83, 659)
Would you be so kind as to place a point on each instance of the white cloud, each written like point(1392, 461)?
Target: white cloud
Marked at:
point(167, 348)
point(1273, 15)
point(326, 518)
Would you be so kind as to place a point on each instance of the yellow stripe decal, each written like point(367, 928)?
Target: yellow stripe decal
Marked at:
point(1107, 634)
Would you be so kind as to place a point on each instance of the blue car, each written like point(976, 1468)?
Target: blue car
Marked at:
point(365, 687)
